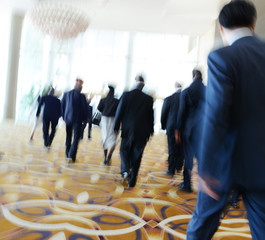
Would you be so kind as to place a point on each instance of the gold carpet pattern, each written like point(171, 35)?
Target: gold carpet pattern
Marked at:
point(43, 197)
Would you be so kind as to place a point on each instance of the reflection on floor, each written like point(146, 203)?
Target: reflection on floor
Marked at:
point(45, 198)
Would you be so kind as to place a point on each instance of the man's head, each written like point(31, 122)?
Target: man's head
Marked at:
point(139, 78)
point(79, 84)
point(139, 81)
point(237, 14)
point(196, 74)
point(51, 91)
point(178, 86)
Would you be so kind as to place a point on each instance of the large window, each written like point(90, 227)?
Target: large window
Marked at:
point(102, 56)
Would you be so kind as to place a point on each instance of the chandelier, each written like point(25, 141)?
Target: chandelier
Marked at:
point(58, 19)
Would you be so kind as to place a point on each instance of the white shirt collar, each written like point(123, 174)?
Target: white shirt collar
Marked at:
point(238, 33)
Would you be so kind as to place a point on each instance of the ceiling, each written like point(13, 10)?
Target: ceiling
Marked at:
point(171, 16)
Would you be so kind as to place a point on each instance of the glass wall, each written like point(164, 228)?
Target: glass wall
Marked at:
point(99, 57)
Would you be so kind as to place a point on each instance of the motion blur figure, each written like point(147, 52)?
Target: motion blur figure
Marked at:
point(136, 115)
point(232, 152)
point(51, 115)
point(189, 124)
point(89, 120)
point(169, 115)
point(74, 113)
point(108, 106)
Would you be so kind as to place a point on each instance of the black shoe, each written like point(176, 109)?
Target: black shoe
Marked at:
point(131, 185)
point(234, 204)
point(124, 176)
point(184, 189)
point(108, 161)
point(169, 173)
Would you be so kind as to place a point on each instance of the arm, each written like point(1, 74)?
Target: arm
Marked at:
point(217, 133)
point(164, 113)
point(119, 113)
point(63, 103)
point(41, 102)
point(101, 105)
point(152, 119)
point(182, 111)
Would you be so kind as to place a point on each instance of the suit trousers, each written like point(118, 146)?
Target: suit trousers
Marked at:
point(131, 153)
point(206, 217)
point(71, 146)
point(188, 162)
point(48, 138)
point(175, 154)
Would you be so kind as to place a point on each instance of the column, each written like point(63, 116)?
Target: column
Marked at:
point(13, 62)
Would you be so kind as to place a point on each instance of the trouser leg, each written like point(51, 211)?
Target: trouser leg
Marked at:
point(68, 141)
point(51, 136)
point(137, 153)
point(188, 162)
point(125, 155)
point(206, 216)
point(171, 153)
point(77, 127)
point(179, 156)
point(46, 125)
point(255, 205)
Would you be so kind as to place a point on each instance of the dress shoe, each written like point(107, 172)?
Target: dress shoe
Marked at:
point(184, 189)
point(169, 173)
point(124, 176)
point(131, 185)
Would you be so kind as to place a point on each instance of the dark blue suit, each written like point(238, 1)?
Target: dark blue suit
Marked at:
point(74, 113)
point(189, 124)
point(51, 114)
point(169, 115)
point(233, 136)
point(135, 113)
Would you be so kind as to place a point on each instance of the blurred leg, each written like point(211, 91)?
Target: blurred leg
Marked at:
point(206, 216)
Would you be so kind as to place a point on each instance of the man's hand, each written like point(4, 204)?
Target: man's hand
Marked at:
point(206, 185)
point(177, 137)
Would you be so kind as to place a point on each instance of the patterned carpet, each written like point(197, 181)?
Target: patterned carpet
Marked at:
point(43, 197)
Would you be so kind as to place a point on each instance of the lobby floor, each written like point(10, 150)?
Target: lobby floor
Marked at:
point(43, 197)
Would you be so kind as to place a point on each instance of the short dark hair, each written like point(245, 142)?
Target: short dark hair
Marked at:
point(238, 13)
point(196, 73)
point(139, 78)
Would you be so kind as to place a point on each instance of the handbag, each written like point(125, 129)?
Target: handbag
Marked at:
point(96, 118)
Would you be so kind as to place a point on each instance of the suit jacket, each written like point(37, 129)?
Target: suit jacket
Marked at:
point(74, 107)
point(169, 113)
point(135, 113)
point(191, 108)
point(52, 108)
point(234, 122)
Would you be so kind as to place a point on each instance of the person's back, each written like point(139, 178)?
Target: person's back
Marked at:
point(247, 112)
point(108, 106)
point(73, 105)
point(52, 107)
point(137, 121)
point(233, 136)
point(74, 112)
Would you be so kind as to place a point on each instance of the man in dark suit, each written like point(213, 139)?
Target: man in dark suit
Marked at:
point(232, 153)
point(89, 120)
point(188, 124)
point(51, 115)
point(135, 113)
point(169, 115)
point(74, 113)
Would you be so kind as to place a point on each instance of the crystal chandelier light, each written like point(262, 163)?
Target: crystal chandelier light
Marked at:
point(60, 20)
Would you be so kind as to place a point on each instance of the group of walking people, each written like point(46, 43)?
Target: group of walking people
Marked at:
point(221, 124)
